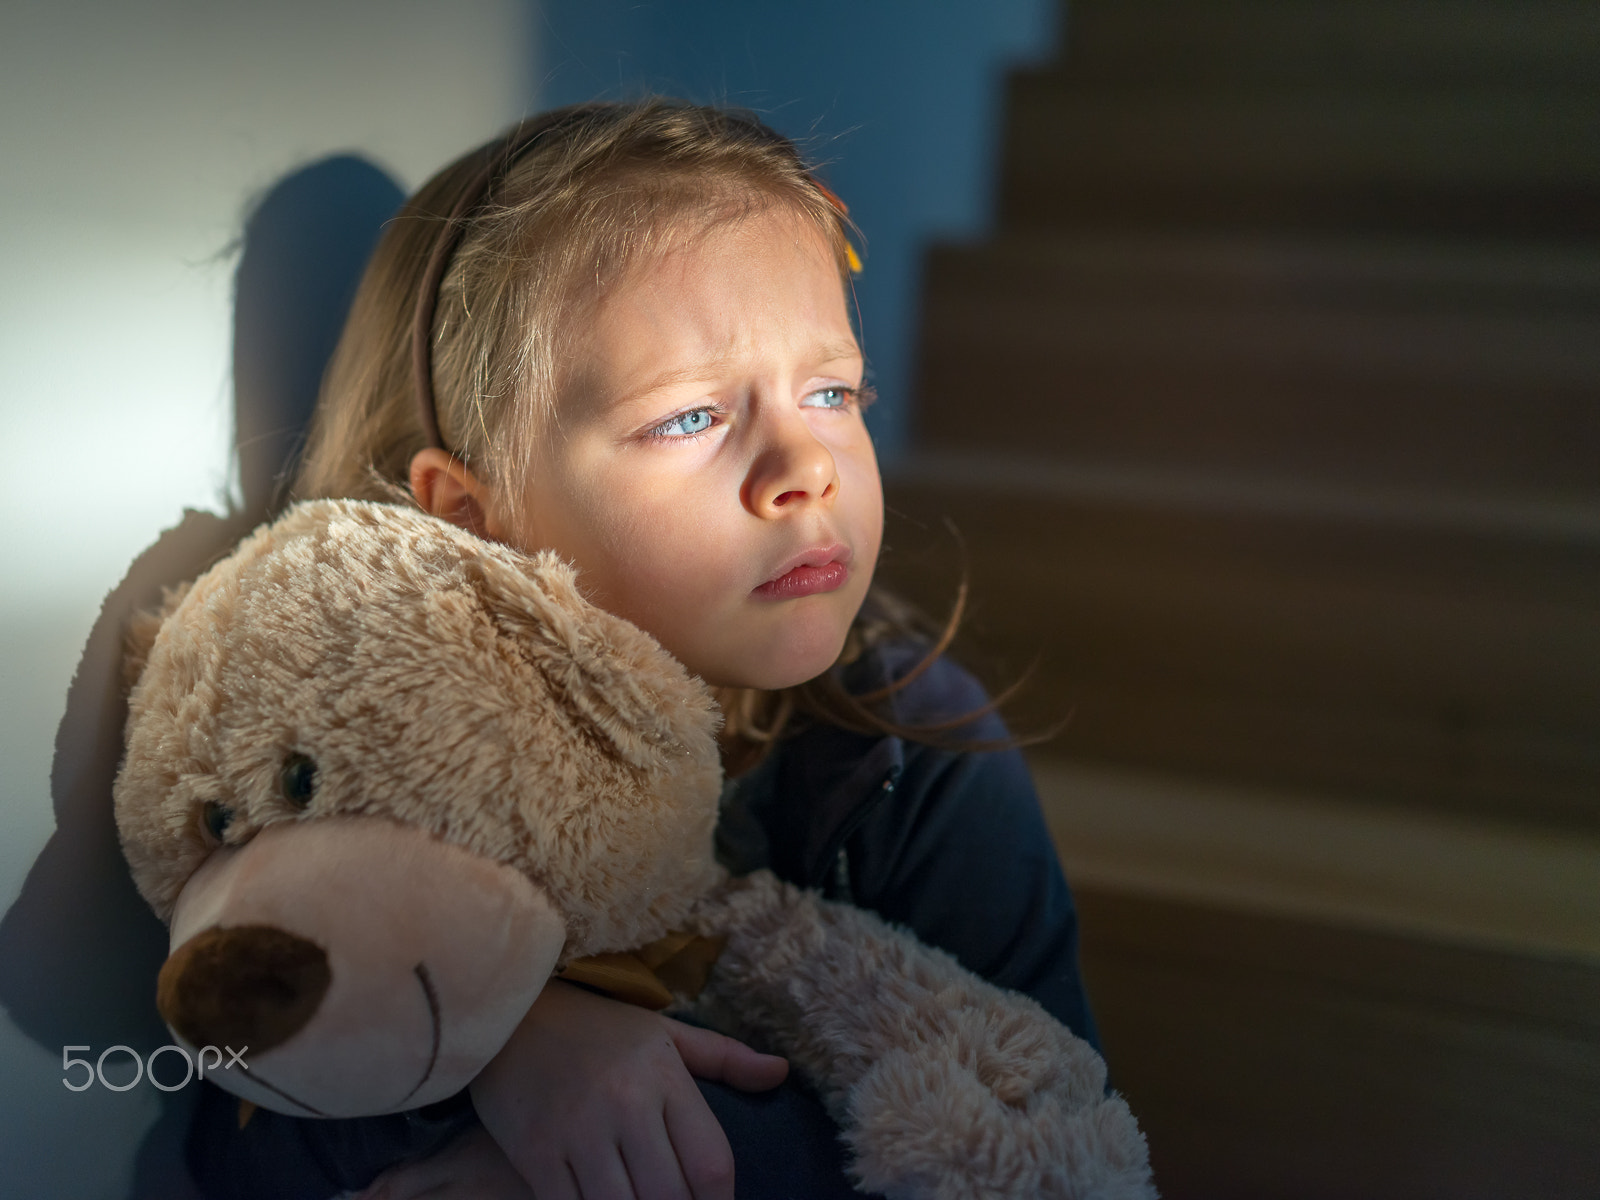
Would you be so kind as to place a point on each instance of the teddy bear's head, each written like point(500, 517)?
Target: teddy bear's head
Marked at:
point(381, 777)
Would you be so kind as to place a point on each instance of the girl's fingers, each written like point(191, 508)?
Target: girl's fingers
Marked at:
point(653, 1167)
point(552, 1179)
point(601, 1176)
point(711, 1055)
point(700, 1147)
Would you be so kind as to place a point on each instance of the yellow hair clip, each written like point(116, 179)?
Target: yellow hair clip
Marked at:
point(851, 256)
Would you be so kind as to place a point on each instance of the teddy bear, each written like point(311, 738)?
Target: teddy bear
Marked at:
point(384, 779)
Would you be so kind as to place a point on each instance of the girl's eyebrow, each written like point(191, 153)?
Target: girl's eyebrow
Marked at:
point(713, 368)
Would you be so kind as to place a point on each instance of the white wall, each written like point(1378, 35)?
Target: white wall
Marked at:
point(133, 137)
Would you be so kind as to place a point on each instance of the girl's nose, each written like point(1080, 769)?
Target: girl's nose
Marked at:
point(791, 471)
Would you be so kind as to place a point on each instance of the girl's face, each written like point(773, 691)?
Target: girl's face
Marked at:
point(709, 472)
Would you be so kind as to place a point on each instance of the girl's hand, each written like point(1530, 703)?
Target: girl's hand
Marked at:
point(473, 1167)
point(593, 1099)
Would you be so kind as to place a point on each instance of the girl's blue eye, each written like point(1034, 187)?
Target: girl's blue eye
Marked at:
point(834, 397)
point(684, 424)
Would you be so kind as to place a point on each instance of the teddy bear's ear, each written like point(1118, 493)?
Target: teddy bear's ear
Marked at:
point(632, 691)
point(141, 632)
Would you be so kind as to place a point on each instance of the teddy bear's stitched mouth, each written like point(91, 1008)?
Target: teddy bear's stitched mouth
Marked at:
point(432, 996)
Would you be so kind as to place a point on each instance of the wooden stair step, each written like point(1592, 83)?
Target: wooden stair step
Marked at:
point(1377, 361)
point(1376, 650)
point(1449, 968)
point(1446, 42)
point(1263, 1058)
point(1492, 159)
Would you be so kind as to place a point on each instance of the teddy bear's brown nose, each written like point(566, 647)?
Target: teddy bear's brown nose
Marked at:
point(246, 986)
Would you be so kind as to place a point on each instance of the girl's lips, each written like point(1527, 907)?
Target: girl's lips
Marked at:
point(805, 581)
point(836, 554)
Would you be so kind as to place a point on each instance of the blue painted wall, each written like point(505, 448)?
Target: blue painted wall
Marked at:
point(900, 99)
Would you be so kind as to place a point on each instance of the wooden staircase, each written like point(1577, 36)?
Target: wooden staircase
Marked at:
point(1270, 422)
point(1272, 412)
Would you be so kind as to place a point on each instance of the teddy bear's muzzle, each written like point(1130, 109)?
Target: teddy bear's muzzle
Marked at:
point(349, 965)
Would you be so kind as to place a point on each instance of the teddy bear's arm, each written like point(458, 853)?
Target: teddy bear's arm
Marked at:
point(945, 1085)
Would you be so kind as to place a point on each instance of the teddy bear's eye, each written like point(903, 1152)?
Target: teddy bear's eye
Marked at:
point(298, 779)
point(216, 817)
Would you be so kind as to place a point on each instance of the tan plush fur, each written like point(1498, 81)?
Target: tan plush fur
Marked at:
point(945, 1085)
point(460, 689)
point(438, 680)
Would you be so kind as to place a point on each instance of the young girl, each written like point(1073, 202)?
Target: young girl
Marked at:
point(623, 332)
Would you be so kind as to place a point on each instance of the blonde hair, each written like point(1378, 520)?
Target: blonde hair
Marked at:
point(604, 191)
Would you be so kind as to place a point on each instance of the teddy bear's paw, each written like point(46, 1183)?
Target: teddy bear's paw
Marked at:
point(797, 967)
point(929, 1128)
point(1017, 1054)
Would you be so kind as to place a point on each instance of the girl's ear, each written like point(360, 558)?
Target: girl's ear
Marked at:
point(142, 629)
point(444, 487)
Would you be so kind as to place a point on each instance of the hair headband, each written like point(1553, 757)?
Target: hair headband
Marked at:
point(498, 158)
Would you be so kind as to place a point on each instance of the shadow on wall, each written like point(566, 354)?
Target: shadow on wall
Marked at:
point(79, 950)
